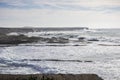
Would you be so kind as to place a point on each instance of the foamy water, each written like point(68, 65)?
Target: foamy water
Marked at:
point(100, 57)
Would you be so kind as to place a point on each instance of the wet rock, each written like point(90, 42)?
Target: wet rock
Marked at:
point(18, 39)
point(58, 40)
point(72, 36)
point(13, 39)
point(81, 39)
point(88, 61)
point(50, 77)
point(84, 39)
point(93, 39)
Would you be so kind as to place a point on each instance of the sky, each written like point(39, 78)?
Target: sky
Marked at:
point(60, 13)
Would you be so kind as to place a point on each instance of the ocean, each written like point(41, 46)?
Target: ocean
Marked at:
point(94, 51)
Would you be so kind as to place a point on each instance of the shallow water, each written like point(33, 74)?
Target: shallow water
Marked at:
point(100, 57)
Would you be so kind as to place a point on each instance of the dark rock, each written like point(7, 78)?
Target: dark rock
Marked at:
point(18, 39)
point(58, 40)
point(85, 39)
point(72, 36)
point(88, 61)
point(50, 77)
point(81, 39)
point(93, 39)
point(13, 39)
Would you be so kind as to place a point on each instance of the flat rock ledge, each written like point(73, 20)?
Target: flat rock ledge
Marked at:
point(50, 77)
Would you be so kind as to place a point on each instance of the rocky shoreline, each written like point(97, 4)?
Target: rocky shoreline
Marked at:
point(50, 77)
point(21, 38)
point(18, 39)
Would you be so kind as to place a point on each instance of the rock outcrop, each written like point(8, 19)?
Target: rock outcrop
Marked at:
point(50, 77)
point(58, 40)
point(17, 39)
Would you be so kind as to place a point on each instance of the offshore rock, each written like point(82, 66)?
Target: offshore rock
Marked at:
point(93, 39)
point(17, 39)
point(58, 40)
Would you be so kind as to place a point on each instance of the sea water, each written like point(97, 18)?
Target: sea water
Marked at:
point(101, 57)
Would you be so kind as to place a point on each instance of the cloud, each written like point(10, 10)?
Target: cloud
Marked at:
point(43, 17)
point(93, 5)
point(13, 2)
point(93, 13)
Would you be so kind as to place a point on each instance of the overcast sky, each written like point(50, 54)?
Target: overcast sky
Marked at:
point(60, 13)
